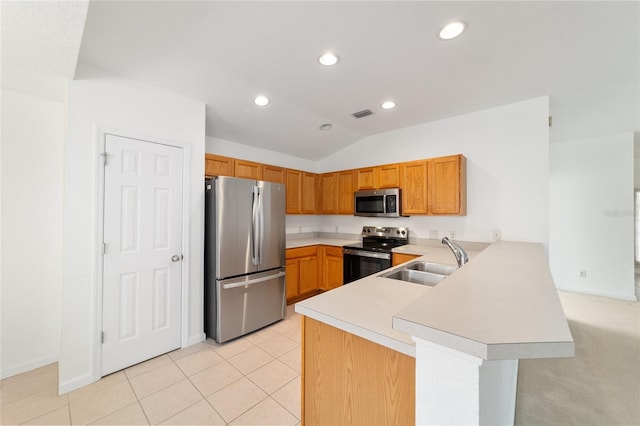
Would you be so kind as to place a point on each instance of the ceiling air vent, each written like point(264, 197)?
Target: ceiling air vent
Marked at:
point(363, 113)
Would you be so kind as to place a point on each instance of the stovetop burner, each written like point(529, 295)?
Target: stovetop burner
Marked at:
point(381, 239)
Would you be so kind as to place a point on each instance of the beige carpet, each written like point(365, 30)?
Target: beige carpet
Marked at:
point(601, 385)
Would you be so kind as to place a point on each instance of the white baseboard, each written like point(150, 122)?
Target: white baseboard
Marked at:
point(200, 337)
point(27, 366)
point(629, 297)
point(76, 383)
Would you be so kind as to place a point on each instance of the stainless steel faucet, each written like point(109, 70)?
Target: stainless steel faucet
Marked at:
point(458, 252)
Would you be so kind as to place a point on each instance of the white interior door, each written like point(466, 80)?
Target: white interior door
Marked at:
point(142, 282)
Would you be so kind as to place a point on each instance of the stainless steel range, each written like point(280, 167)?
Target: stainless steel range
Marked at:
point(373, 254)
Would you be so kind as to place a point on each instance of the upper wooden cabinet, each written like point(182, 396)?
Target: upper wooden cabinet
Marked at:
point(248, 170)
point(378, 177)
point(388, 176)
point(336, 193)
point(273, 174)
point(413, 181)
point(346, 187)
point(435, 186)
point(366, 178)
point(301, 192)
point(309, 189)
point(294, 187)
point(329, 193)
point(447, 183)
point(217, 165)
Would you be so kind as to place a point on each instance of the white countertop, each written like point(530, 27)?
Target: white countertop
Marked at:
point(501, 305)
point(313, 241)
point(365, 308)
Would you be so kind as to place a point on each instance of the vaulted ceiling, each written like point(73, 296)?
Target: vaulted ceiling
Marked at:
point(584, 55)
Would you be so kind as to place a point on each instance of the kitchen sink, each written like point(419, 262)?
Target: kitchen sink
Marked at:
point(435, 268)
point(415, 276)
point(424, 273)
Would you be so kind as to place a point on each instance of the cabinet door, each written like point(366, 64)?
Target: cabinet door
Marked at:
point(248, 169)
point(294, 188)
point(273, 173)
point(308, 193)
point(366, 178)
point(293, 278)
point(332, 267)
point(329, 197)
point(398, 258)
point(308, 274)
point(346, 187)
point(388, 176)
point(217, 165)
point(447, 184)
point(414, 187)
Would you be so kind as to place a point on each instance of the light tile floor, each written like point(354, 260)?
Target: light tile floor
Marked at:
point(253, 380)
point(256, 380)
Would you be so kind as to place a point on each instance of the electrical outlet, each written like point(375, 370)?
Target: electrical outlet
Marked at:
point(452, 235)
point(433, 233)
point(497, 235)
point(583, 274)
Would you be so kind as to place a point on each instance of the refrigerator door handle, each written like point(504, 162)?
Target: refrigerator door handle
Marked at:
point(255, 206)
point(260, 224)
point(253, 281)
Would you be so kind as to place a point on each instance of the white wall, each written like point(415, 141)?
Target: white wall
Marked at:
point(245, 152)
point(591, 215)
point(134, 109)
point(507, 151)
point(32, 185)
point(507, 171)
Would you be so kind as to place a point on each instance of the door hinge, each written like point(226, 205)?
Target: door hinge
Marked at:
point(550, 120)
point(102, 337)
point(104, 156)
point(103, 248)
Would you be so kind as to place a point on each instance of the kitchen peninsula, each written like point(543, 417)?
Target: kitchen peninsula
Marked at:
point(460, 340)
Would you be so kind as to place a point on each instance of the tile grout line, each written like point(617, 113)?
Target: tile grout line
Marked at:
point(146, 416)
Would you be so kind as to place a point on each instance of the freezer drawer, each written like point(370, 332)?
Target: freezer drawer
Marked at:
point(245, 304)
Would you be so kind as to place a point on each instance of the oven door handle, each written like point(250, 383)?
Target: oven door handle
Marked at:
point(364, 253)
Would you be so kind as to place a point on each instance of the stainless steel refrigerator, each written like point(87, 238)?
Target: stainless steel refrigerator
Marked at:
point(244, 256)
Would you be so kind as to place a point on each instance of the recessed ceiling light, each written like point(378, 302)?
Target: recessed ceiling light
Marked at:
point(452, 30)
point(388, 105)
point(325, 126)
point(328, 59)
point(261, 100)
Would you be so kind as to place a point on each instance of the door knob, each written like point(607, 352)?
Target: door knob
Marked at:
point(176, 258)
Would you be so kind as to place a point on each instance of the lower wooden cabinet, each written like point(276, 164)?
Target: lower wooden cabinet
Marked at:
point(331, 267)
point(350, 380)
point(303, 273)
point(398, 258)
point(312, 270)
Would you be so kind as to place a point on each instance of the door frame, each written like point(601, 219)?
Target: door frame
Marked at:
point(101, 133)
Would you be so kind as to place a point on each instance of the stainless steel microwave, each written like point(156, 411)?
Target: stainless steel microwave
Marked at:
point(378, 203)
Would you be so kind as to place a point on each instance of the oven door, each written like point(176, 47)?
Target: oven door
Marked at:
point(360, 263)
